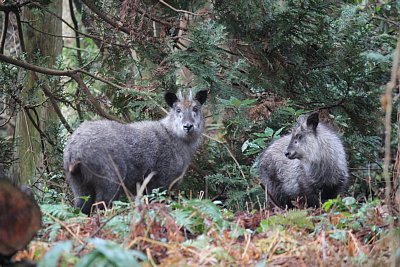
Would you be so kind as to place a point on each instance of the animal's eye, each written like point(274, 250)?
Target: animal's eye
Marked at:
point(178, 110)
point(299, 136)
point(195, 109)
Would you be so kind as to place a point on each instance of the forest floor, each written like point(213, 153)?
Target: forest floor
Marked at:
point(196, 232)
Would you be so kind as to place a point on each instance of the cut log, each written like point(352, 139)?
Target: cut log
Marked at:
point(20, 219)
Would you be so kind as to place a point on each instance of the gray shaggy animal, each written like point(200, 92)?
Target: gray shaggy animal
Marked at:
point(308, 164)
point(99, 154)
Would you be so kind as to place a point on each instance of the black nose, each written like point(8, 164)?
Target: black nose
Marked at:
point(287, 153)
point(188, 127)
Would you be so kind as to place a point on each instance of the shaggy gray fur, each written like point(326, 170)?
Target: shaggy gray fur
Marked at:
point(310, 164)
point(101, 153)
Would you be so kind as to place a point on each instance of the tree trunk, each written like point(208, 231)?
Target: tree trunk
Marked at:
point(40, 39)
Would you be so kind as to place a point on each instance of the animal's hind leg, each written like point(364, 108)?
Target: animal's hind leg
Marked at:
point(84, 195)
point(105, 195)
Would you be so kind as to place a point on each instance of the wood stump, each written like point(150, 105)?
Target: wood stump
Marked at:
point(20, 219)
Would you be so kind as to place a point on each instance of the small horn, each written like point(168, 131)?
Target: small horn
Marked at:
point(190, 95)
point(180, 95)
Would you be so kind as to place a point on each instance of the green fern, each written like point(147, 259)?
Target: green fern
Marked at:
point(108, 253)
point(197, 215)
point(59, 211)
point(52, 213)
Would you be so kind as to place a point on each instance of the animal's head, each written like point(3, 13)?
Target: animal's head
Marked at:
point(304, 143)
point(185, 114)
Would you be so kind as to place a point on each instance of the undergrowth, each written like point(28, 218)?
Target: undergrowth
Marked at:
point(194, 232)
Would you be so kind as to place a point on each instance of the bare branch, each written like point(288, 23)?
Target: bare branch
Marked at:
point(6, 121)
point(76, 29)
point(37, 127)
point(389, 107)
point(47, 33)
point(35, 68)
point(47, 92)
point(20, 33)
point(4, 33)
point(229, 152)
point(78, 78)
point(105, 17)
point(118, 25)
point(74, 74)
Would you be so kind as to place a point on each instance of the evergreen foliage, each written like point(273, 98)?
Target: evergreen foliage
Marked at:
point(264, 62)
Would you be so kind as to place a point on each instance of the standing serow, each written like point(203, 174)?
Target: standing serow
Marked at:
point(307, 165)
point(101, 154)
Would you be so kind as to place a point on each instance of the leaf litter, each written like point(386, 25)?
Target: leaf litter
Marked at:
point(201, 233)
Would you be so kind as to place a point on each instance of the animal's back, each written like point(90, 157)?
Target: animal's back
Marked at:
point(134, 150)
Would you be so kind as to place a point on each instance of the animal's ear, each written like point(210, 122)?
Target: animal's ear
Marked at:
point(313, 120)
point(201, 96)
point(170, 98)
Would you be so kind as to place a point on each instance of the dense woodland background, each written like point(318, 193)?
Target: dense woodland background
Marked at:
point(264, 63)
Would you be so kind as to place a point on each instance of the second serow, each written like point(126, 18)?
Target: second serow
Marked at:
point(308, 165)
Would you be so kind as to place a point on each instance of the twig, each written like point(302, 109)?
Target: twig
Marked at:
point(389, 106)
point(47, 92)
point(386, 20)
point(35, 68)
point(65, 227)
point(42, 142)
point(107, 221)
point(9, 117)
point(6, 121)
point(150, 258)
point(73, 28)
point(142, 238)
point(4, 33)
point(388, 116)
point(323, 245)
point(47, 33)
point(355, 242)
point(76, 27)
point(119, 25)
point(37, 127)
point(229, 151)
point(74, 74)
point(20, 33)
point(171, 186)
point(143, 186)
point(78, 78)
point(248, 236)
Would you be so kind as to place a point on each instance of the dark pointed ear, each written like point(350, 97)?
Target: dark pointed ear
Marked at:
point(201, 96)
point(313, 120)
point(170, 98)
